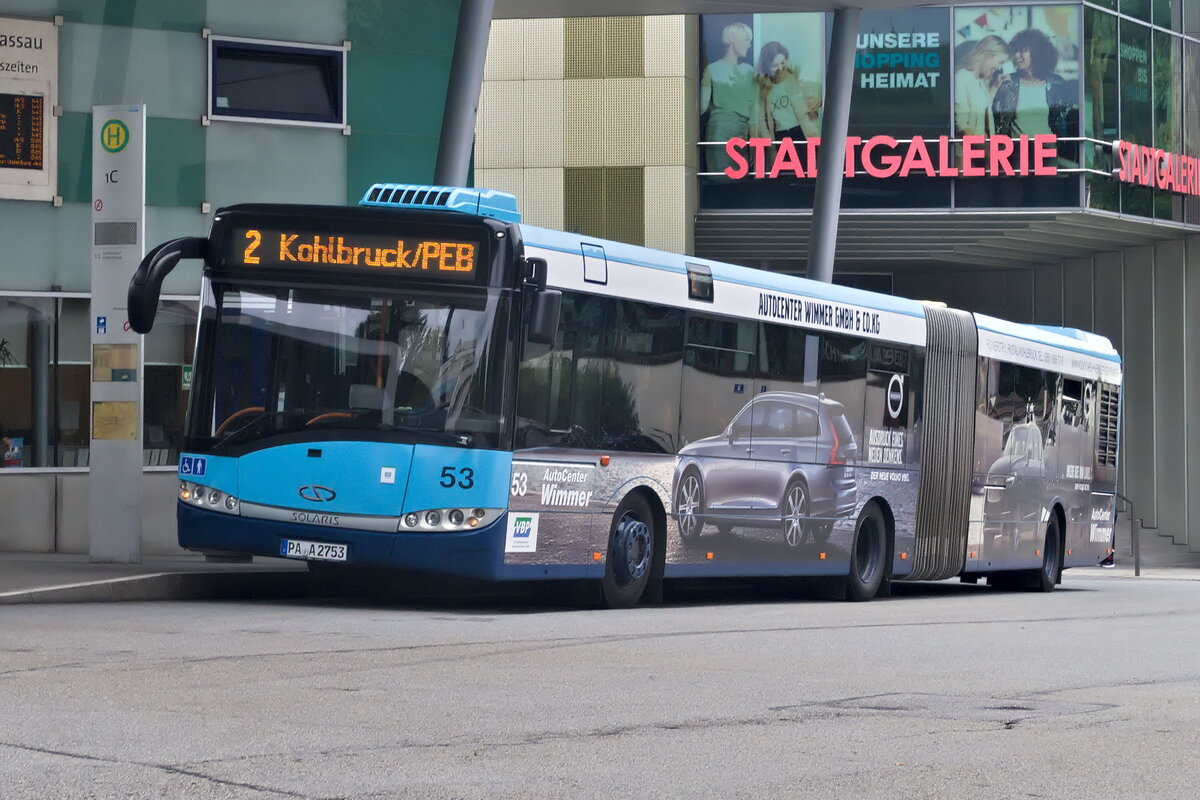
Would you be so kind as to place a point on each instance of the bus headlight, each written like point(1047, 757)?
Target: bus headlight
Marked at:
point(446, 520)
point(214, 499)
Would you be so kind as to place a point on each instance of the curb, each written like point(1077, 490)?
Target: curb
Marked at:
point(170, 586)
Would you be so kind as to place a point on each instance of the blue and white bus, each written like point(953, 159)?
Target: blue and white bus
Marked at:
point(425, 383)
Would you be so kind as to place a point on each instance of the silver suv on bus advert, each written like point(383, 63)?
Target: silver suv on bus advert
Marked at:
point(780, 463)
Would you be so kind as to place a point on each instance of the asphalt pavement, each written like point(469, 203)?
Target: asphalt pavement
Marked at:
point(729, 690)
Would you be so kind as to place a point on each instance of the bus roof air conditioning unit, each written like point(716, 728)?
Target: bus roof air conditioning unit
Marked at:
point(478, 202)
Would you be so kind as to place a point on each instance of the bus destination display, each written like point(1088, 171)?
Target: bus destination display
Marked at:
point(412, 256)
point(21, 126)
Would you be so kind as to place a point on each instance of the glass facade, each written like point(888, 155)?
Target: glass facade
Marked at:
point(45, 381)
point(1099, 71)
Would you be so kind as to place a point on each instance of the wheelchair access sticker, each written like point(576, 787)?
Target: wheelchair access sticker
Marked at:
point(522, 533)
point(194, 466)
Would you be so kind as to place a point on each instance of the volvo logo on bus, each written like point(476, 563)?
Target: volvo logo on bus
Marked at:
point(895, 396)
point(317, 494)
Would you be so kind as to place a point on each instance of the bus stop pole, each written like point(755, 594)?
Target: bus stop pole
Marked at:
point(462, 95)
point(831, 154)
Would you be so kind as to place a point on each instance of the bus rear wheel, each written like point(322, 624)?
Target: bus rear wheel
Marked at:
point(867, 555)
point(630, 563)
point(1046, 578)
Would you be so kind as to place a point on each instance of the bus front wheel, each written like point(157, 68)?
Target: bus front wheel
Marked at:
point(630, 563)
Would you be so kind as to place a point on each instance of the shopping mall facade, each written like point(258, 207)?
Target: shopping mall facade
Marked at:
point(1031, 161)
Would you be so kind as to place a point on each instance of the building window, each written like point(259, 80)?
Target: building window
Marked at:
point(251, 80)
point(45, 381)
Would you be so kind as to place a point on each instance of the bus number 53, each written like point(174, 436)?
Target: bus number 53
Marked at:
point(463, 477)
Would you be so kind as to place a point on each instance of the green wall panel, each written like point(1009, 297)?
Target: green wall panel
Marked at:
point(397, 73)
point(312, 21)
point(172, 15)
point(109, 66)
point(382, 157)
point(396, 92)
point(414, 26)
point(75, 157)
point(174, 162)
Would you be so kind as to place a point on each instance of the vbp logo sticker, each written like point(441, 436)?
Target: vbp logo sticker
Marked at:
point(522, 533)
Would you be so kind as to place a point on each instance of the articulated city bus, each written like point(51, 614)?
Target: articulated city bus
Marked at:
point(425, 383)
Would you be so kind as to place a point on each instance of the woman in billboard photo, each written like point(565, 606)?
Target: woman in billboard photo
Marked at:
point(1035, 99)
point(788, 106)
point(975, 84)
point(727, 94)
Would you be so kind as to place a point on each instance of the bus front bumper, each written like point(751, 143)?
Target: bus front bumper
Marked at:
point(475, 554)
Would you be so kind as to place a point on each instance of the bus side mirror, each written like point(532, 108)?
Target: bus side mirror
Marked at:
point(543, 316)
point(146, 284)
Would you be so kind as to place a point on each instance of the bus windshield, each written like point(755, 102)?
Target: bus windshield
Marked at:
point(294, 364)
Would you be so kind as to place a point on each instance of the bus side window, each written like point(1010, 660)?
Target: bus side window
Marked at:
point(718, 374)
point(544, 386)
point(638, 411)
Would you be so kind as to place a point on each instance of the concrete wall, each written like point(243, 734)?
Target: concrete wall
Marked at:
point(48, 513)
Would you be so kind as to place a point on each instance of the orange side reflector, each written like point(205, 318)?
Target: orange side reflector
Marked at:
point(904, 556)
point(973, 554)
point(708, 556)
point(1037, 552)
point(604, 460)
point(822, 556)
point(596, 556)
point(1068, 551)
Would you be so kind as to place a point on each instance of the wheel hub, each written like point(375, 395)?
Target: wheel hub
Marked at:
point(633, 549)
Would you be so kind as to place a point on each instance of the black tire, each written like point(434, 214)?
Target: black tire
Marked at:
point(689, 506)
point(794, 514)
point(1046, 578)
point(631, 553)
point(868, 555)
